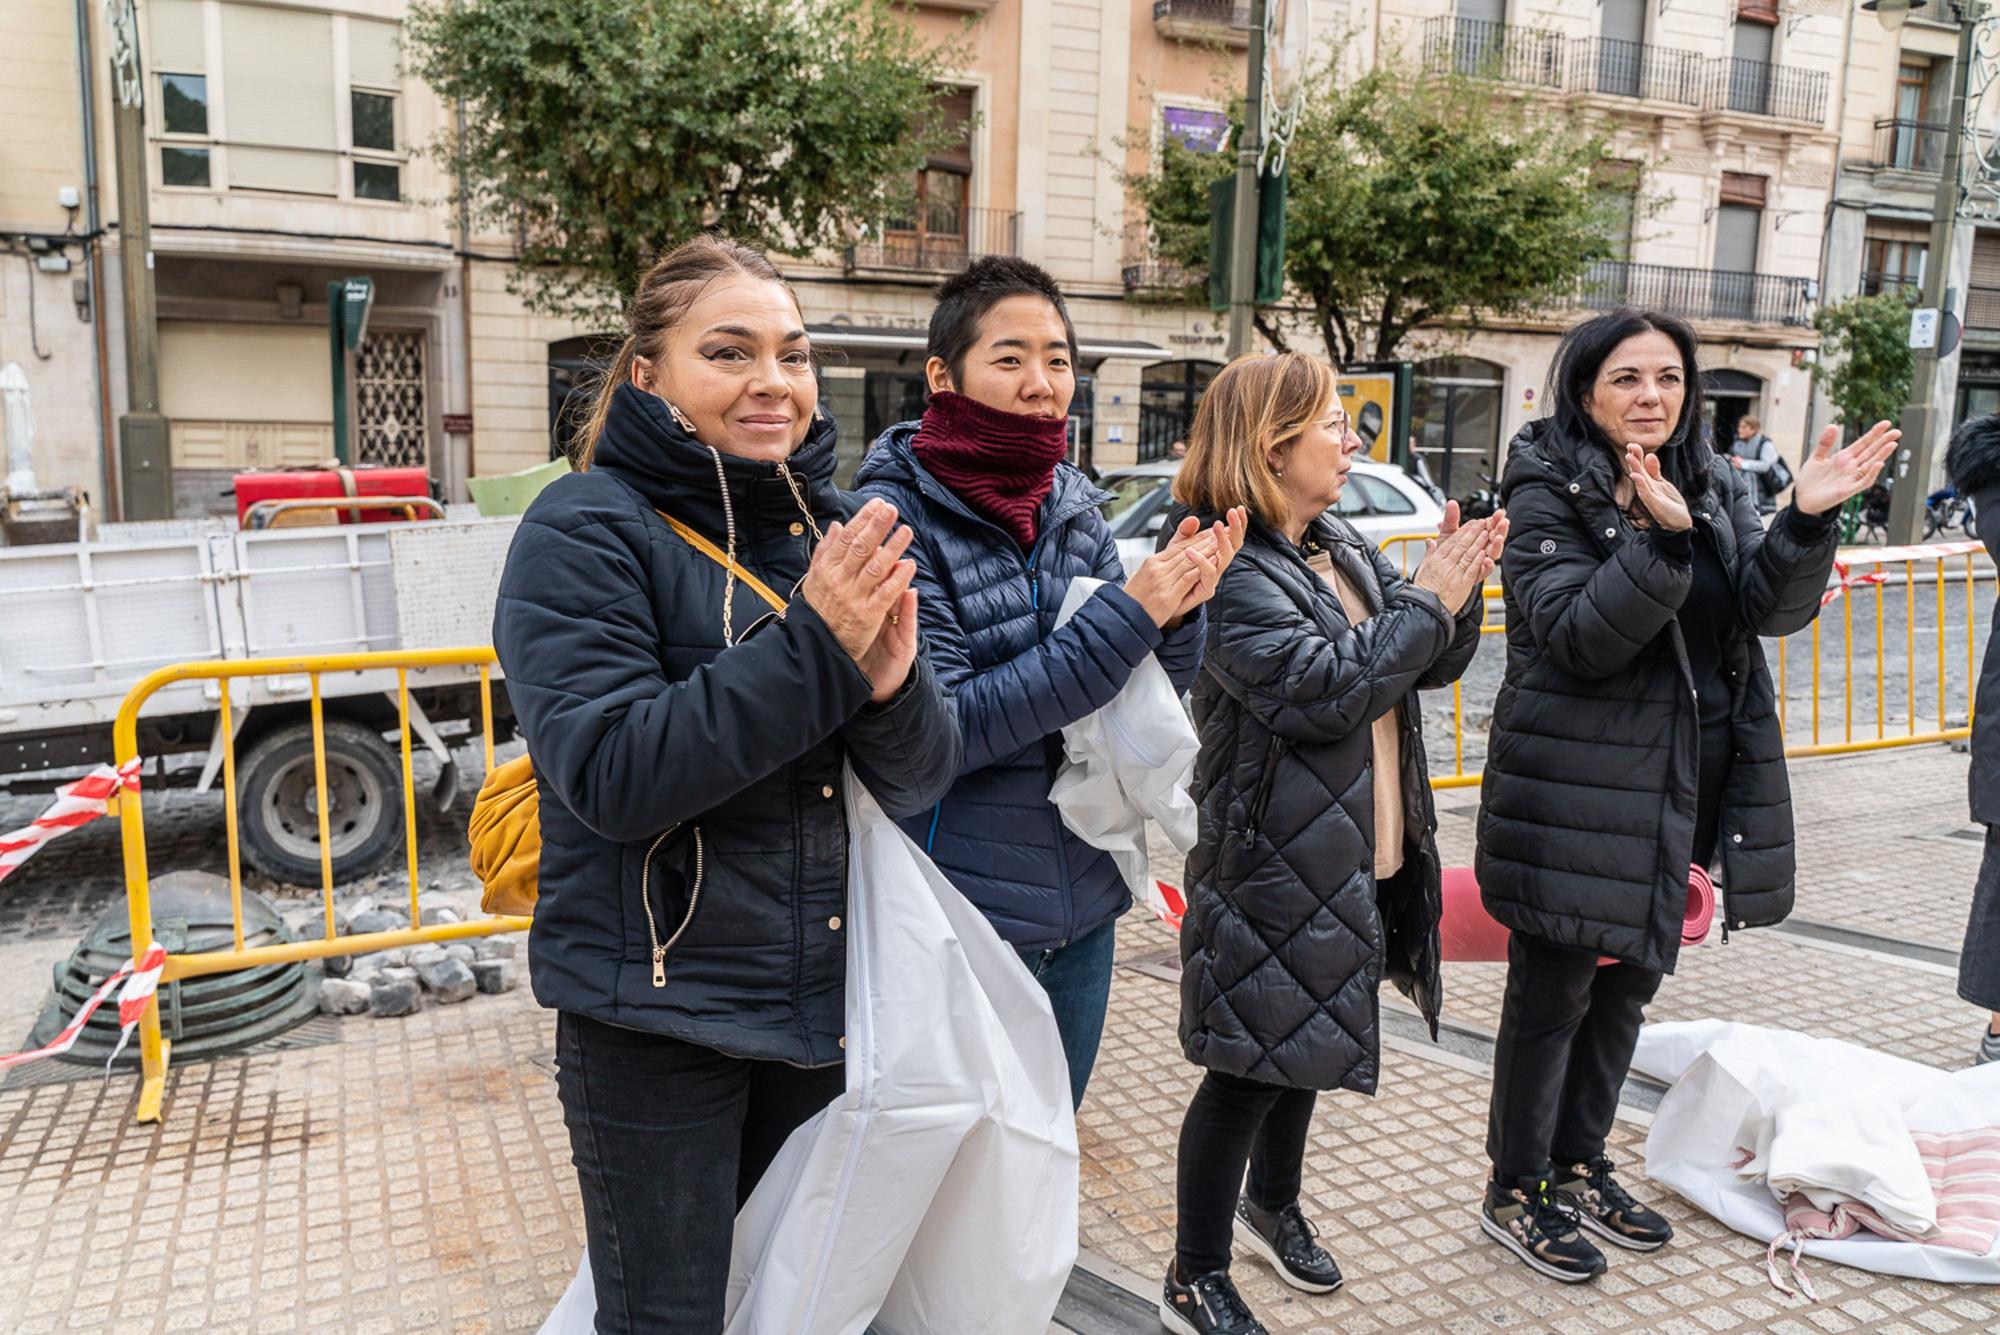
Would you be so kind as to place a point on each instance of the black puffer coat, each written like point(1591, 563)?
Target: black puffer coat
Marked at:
point(1974, 465)
point(1287, 935)
point(609, 627)
point(1587, 811)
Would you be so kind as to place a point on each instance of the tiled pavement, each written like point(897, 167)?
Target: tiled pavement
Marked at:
point(413, 1175)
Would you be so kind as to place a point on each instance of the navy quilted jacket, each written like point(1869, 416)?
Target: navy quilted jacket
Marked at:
point(988, 612)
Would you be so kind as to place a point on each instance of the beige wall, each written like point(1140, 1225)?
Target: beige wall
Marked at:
point(40, 108)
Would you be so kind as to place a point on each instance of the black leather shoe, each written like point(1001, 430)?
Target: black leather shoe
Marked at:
point(1285, 1239)
point(1205, 1305)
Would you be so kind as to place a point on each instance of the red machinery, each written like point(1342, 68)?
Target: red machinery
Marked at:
point(406, 493)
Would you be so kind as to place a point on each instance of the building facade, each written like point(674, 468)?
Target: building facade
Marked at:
point(282, 153)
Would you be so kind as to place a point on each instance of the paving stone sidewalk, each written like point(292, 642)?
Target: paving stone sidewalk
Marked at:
point(413, 1174)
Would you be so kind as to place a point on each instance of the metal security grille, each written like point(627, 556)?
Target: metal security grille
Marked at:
point(389, 399)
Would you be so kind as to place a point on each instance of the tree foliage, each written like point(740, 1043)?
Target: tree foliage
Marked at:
point(601, 132)
point(1865, 361)
point(1411, 198)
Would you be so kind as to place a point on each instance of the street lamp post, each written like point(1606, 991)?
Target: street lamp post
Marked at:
point(1925, 421)
point(1243, 233)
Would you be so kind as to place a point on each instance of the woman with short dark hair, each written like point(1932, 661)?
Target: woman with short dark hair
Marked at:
point(1635, 734)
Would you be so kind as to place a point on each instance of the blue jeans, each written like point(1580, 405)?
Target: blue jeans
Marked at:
point(1077, 978)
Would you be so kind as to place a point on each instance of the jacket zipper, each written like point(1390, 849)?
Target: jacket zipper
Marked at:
point(1273, 753)
point(646, 899)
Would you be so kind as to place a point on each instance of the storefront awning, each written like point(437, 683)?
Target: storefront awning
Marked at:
point(907, 340)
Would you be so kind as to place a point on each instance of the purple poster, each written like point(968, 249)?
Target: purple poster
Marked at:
point(1202, 131)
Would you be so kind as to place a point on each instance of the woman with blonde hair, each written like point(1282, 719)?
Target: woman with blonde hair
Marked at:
point(701, 635)
point(1316, 869)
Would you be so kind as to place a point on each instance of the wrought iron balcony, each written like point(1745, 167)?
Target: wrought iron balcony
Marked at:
point(941, 239)
point(1874, 282)
point(1615, 68)
point(1910, 145)
point(1693, 294)
point(1203, 21)
point(1145, 274)
point(1754, 88)
point(1492, 51)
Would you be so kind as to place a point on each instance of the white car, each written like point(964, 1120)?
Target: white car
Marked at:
point(1380, 500)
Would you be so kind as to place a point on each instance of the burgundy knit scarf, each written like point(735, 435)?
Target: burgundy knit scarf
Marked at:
point(1000, 464)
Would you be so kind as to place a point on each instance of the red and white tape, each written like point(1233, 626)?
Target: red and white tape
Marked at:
point(1167, 904)
point(1887, 556)
point(140, 981)
point(76, 804)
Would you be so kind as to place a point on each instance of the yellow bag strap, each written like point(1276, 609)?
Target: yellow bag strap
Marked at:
point(714, 553)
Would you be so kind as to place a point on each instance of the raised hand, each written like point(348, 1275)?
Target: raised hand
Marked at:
point(1830, 476)
point(1456, 564)
point(1166, 579)
point(887, 662)
point(1212, 552)
point(857, 580)
point(1661, 498)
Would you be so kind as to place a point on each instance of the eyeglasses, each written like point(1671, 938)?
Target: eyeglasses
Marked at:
point(1339, 424)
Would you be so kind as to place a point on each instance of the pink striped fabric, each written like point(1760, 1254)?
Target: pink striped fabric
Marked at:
point(1964, 1168)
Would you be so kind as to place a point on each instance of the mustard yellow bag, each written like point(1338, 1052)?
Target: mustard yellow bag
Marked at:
point(506, 825)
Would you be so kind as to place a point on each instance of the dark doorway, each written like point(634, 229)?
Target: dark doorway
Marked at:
point(1168, 393)
point(1732, 396)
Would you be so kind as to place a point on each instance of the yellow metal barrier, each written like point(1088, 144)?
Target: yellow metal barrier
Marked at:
point(154, 1049)
point(1869, 575)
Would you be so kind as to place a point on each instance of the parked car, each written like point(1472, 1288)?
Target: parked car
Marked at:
point(1380, 500)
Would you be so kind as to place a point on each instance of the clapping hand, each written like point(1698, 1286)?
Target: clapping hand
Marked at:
point(859, 583)
point(1662, 500)
point(1830, 476)
point(1457, 562)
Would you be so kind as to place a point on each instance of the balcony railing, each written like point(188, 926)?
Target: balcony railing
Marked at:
point(1145, 274)
point(1493, 51)
point(1874, 282)
point(1693, 294)
point(943, 239)
point(1618, 68)
point(1203, 20)
point(1754, 88)
point(1911, 146)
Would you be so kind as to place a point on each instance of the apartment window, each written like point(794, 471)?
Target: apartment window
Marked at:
point(1893, 264)
point(373, 118)
point(184, 111)
point(937, 225)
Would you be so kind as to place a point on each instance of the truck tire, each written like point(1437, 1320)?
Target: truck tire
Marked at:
point(279, 817)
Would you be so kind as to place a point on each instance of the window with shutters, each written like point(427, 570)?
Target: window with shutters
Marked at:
point(180, 94)
point(248, 97)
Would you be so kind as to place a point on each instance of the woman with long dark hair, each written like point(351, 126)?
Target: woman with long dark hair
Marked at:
point(1636, 734)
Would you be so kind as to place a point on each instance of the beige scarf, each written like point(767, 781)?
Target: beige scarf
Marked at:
point(1385, 735)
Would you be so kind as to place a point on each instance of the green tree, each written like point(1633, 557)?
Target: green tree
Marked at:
point(1865, 359)
point(602, 132)
point(1412, 198)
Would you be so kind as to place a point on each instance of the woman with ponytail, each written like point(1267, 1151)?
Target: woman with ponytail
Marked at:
point(700, 636)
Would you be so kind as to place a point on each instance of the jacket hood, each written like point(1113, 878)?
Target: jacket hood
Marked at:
point(893, 459)
point(643, 447)
point(1973, 461)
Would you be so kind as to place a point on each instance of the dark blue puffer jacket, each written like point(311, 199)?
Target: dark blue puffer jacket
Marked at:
point(988, 613)
point(685, 783)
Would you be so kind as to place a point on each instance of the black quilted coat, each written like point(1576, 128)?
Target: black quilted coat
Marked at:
point(1587, 812)
point(1287, 935)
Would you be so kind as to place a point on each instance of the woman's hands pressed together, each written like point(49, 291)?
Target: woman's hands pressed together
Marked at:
point(1663, 501)
point(860, 584)
point(1457, 562)
point(1182, 575)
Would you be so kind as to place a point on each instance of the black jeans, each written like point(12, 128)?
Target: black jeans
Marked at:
point(1230, 1122)
point(1979, 961)
point(1568, 1028)
point(668, 1139)
point(1567, 1032)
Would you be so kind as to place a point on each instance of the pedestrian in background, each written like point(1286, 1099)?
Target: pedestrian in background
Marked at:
point(1316, 871)
point(688, 745)
point(1003, 523)
point(1636, 733)
point(1755, 455)
point(1973, 463)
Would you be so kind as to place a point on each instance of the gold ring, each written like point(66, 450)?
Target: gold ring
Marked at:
point(895, 618)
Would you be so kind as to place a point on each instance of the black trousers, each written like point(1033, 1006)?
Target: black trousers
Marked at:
point(669, 1138)
point(1232, 1121)
point(1568, 1028)
point(1979, 961)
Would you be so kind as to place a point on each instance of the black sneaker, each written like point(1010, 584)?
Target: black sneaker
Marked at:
point(1604, 1207)
point(1989, 1048)
point(1285, 1239)
point(1205, 1305)
point(1529, 1220)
